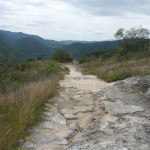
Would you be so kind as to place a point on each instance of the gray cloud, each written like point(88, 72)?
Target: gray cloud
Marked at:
point(4, 26)
point(113, 7)
point(73, 19)
point(99, 33)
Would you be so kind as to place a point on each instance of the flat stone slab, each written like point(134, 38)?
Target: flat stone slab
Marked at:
point(51, 147)
point(147, 94)
point(65, 134)
point(121, 108)
point(84, 97)
point(58, 118)
point(56, 100)
point(38, 139)
point(67, 111)
point(74, 126)
point(52, 125)
point(70, 116)
point(83, 109)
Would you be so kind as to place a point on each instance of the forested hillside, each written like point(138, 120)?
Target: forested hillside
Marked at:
point(25, 46)
point(80, 49)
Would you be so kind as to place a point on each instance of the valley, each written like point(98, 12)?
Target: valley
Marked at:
point(26, 46)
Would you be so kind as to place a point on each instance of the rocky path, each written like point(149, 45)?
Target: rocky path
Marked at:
point(90, 114)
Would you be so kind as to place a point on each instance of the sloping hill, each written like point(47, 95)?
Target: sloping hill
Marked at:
point(32, 48)
point(23, 46)
point(27, 46)
point(10, 37)
point(80, 49)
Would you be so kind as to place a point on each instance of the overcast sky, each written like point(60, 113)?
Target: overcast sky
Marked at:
point(73, 19)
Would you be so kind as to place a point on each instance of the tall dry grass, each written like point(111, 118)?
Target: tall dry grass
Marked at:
point(110, 70)
point(20, 109)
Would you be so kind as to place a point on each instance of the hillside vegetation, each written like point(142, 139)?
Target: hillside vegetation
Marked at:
point(61, 56)
point(24, 88)
point(25, 46)
point(77, 50)
point(130, 58)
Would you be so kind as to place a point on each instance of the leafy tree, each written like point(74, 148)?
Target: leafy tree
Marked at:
point(133, 33)
point(136, 38)
point(61, 56)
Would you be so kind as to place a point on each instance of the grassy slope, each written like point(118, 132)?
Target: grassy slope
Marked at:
point(23, 99)
point(114, 64)
point(110, 70)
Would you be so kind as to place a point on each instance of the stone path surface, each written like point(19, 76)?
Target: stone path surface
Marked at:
point(90, 114)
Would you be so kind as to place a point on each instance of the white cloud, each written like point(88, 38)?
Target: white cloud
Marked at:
point(72, 19)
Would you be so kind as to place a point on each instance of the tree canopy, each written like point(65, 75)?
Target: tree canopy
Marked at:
point(133, 33)
point(62, 56)
point(136, 38)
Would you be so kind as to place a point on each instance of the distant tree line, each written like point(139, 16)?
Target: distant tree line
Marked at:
point(134, 39)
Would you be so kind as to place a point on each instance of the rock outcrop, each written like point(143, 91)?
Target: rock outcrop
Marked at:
point(121, 120)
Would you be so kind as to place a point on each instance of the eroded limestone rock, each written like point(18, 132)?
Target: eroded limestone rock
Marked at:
point(65, 134)
point(70, 116)
point(119, 108)
point(74, 126)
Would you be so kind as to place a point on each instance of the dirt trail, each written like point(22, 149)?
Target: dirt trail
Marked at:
point(90, 114)
point(67, 114)
point(82, 82)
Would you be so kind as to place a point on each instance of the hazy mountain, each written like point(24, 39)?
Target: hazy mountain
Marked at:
point(80, 49)
point(10, 37)
point(26, 46)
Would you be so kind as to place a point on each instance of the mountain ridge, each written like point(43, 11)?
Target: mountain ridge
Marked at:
point(28, 46)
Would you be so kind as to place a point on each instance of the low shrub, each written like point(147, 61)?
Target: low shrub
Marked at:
point(111, 70)
point(51, 69)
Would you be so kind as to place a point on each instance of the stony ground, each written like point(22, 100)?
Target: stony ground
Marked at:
point(90, 114)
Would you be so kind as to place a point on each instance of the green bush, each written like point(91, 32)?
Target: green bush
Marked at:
point(112, 70)
point(84, 59)
point(61, 56)
point(51, 69)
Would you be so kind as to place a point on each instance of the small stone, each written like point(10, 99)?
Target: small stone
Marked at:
point(36, 139)
point(67, 111)
point(83, 109)
point(120, 126)
point(140, 135)
point(52, 125)
point(74, 126)
point(55, 104)
point(66, 134)
point(56, 100)
point(58, 118)
point(70, 116)
point(147, 94)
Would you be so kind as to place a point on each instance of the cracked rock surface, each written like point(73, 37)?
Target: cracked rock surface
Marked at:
point(90, 114)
